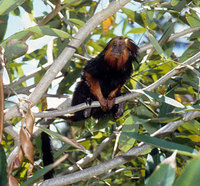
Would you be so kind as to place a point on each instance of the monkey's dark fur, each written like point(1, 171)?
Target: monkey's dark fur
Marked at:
point(103, 77)
point(102, 80)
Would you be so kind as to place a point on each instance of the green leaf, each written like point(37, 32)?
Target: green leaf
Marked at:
point(154, 158)
point(188, 108)
point(171, 146)
point(126, 142)
point(156, 45)
point(28, 6)
point(3, 23)
point(178, 5)
point(64, 139)
point(174, 2)
point(164, 176)
point(3, 167)
point(14, 49)
point(137, 30)
point(169, 29)
point(18, 35)
point(41, 30)
point(77, 21)
point(44, 30)
point(161, 98)
point(190, 175)
point(7, 6)
point(37, 175)
point(68, 81)
point(190, 51)
point(166, 109)
point(129, 13)
point(67, 1)
point(192, 18)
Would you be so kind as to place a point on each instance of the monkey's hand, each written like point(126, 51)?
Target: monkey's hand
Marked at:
point(111, 103)
point(104, 104)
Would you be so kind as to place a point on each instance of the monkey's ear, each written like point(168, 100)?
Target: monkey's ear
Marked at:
point(132, 47)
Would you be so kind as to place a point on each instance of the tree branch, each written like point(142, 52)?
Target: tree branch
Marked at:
point(91, 157)
point(14, 133)
point(47, 65)
point(173, 37)
point(113, 163)
point(180, 68)
point(66, 54)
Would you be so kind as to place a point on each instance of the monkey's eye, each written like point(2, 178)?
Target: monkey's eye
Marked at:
point(114, 43)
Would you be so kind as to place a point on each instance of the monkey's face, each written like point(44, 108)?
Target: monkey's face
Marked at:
point(118, 45)
point(118, 52)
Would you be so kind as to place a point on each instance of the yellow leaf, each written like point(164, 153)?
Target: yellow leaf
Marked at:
point(106, 24)
point(177, 98)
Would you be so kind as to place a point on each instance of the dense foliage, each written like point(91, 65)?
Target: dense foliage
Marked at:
point(161, 115)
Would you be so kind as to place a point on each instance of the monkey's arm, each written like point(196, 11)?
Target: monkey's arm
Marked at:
point(95, 89)
point(111, 97)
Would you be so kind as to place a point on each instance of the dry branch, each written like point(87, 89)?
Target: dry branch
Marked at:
point(113, 163)
point(66, 55)
point(180, 68)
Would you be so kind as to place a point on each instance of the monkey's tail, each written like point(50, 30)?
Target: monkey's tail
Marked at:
point(47, 154)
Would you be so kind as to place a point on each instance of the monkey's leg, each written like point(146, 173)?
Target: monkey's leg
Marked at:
point(81, 95)
point(95, 89)
point(111, 97)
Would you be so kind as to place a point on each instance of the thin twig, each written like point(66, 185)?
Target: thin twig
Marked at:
point(113, 163)
point(115, 172)
point(91, 157)
point(66, 54)
point(126, 97)
point(142, 49)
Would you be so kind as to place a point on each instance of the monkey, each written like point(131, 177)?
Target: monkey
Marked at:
point(102, 80)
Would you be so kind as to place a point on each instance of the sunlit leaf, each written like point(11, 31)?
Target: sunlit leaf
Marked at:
point(37, 175)
point(192, 18)
point(183, 149)
point(7, 6)
point(162, 98)
point(14, 49)
point(188, 108)
point(44, 30)
point(126, 142)
point(190, 175)
point(41, 30)
point(129, 13)
point(156, 45)
point(174, 2)
point(18, 36)
point(137, 30)
point(178, 5)
point(63, 138)
point(106, 24)
point(77, 21)
point(164, 176)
